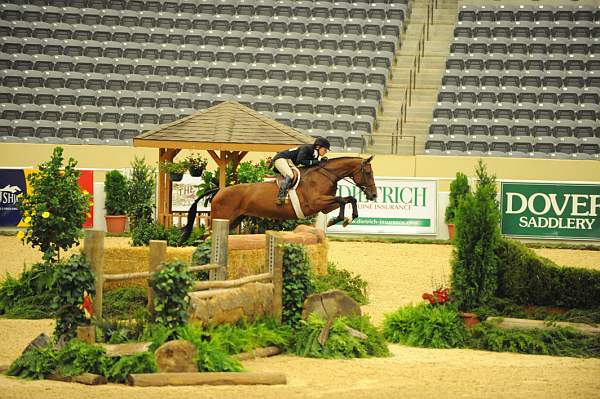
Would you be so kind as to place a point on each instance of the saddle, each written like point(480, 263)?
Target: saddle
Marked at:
point(295, 181)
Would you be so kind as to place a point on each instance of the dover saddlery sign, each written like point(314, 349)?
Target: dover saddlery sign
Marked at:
point(402, 207)
point(551, 210)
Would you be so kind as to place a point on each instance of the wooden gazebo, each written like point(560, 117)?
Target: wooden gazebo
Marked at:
point(228, 131)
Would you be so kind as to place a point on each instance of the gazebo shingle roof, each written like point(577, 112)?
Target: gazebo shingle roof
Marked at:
point(228, 126)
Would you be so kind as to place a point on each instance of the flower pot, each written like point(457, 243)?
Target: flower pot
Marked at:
point(470, 319)
point(451, 231)
point(196, 172)
point(176, 176)
point(115, 223)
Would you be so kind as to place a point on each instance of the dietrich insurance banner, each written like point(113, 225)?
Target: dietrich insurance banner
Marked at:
point(551, 210)
point(13, 183)
point(402, 207)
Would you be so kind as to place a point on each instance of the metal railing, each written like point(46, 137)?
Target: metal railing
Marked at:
point(395, 141)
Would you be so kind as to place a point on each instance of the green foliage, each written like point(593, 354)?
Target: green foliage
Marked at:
point(555, 342)
point(117, 369)
point(171, 286)
point(78, 357)
point(121, 303)
point(340, 344)
point(143, 232)
point(459, 188)
point(35, 364)
point(425, 326)
point(29, 296)
point(71, 279)
point(474, 263)
point(297, 282)
point(115, 188)
point(244, 336)
point(141, 187)
point(174, 167)
point(55, 208)
point(211, 355)
point(341, 279)
point(526, 278)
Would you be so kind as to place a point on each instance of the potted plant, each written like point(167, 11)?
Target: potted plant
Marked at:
point(115, 189)
point(175, 169)
point(196, 165)
point(459, 188)
point(141, 188)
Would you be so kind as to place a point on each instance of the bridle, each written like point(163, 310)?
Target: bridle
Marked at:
point(327, 173)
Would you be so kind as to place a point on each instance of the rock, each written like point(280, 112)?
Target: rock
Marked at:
point(330, 304)
point(40, 341)
point(176, 357)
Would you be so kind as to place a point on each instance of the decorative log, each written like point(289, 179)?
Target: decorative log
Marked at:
point(90, 379)
point(59, 377)
point(87, 334)
point(257, 353)
point(218, 253)
point(116, 350)
point(204, 285)
point(209, 266)
point(526, 324)
point(164, 379)
point(125, 276)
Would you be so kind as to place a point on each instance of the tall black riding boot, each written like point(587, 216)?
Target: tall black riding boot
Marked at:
point(287, 181)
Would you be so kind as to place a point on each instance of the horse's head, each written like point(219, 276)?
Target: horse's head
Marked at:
point(363, 178)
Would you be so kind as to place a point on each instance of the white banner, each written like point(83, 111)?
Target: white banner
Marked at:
point(403, 206)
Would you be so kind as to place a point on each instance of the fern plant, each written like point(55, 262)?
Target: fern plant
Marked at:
point(425, 326)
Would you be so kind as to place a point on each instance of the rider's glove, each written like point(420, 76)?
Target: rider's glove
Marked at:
point(323, 159)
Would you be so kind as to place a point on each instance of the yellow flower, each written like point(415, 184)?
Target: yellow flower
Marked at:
point(88, 215)
point(86, 192)
point(91, 204)
point(46, 215)
point(20, 235)
point(33, 212)
point(27, 219)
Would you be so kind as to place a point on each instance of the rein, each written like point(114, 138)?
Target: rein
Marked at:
point(335, 179)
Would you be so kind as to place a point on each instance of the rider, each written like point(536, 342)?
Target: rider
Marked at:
point(305, 155)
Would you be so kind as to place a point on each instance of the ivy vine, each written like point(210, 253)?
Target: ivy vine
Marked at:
point(297, 282)
point(171, 286)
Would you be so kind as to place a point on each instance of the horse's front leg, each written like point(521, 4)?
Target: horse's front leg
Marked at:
point(353, 202)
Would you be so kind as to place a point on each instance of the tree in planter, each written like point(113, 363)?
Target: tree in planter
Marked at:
point(474, 264)
point(115, 189)
point(140, 188)
point(56, 207)
point(459, 188)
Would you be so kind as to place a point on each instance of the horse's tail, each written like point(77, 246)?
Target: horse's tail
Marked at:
point(191, 215)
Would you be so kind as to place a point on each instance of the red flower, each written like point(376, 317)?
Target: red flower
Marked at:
point(439, 296)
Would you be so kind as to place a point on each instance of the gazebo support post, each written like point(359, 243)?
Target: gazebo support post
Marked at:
point(165, 187)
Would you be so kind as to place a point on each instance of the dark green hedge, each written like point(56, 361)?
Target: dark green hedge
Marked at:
point(527, 278)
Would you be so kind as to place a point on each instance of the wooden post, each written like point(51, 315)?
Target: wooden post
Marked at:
point(93, 248)
point(218, 254)
point(158, 252)
point(87, 334)
point(274, 259)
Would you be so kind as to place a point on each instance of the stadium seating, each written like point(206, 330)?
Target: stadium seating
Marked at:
point(161, 60)
point(521, 81)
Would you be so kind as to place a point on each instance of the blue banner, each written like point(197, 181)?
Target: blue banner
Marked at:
point(12, 185)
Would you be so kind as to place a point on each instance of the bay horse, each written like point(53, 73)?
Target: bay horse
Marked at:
point(316, 193)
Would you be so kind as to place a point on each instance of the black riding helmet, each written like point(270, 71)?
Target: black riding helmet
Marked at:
point(322, 142)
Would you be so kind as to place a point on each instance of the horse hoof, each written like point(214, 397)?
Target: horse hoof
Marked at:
point(347, 221)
